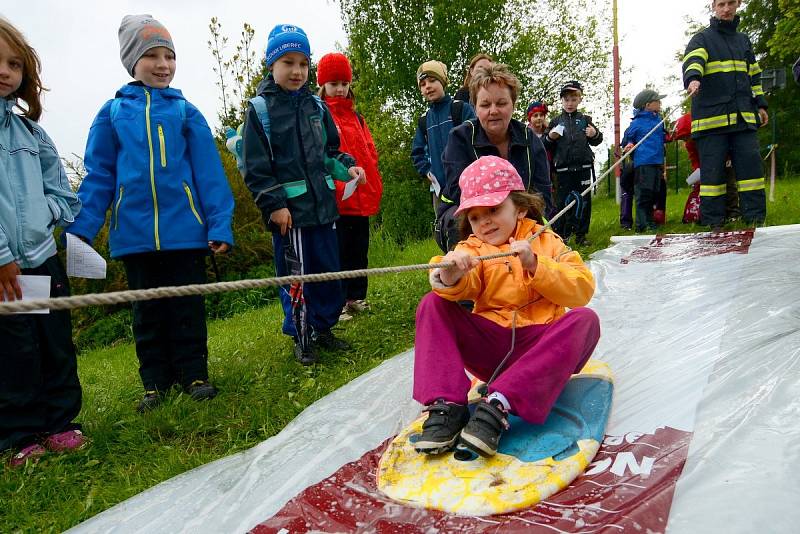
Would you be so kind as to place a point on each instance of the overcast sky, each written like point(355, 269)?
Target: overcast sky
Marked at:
point(77, 42)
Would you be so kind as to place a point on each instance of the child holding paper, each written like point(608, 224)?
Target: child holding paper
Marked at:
point(334, 76)
point(40, 395)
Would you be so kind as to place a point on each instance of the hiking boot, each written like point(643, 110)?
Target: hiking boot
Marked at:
point(201, 390)
point(31, 452)
point(71, 440)
point(150, 401)
point(326, 340)
point(440, 430)
point(483, 431)
point(306, 357)
point(582, 241)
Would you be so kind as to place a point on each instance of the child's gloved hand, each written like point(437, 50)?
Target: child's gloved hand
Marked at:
point(463, 264)
point(9, 287)
point(522, 249)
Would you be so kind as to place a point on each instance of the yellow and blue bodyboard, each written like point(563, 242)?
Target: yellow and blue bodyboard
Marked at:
point(532, 463)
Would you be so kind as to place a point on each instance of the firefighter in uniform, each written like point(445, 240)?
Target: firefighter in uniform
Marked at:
point(720, 72)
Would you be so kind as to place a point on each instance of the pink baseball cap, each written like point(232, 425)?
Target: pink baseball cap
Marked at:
point(487, 182)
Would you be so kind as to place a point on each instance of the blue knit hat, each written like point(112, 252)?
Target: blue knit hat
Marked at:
point(285, 38)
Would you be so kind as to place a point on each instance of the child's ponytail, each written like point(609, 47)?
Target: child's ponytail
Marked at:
point(31, 88)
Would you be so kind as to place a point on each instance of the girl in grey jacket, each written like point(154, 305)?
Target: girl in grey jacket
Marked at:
point(40, 394)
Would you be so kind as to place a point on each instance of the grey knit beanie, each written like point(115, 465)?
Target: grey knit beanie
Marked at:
point(137, 35)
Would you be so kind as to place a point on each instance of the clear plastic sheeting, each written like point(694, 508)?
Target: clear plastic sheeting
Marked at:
point(703, 336)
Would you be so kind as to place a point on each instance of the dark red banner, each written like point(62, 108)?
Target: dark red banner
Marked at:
point(688, 246)
point(628, 488)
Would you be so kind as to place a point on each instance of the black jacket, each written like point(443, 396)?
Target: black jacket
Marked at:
point(572, 150)
point(722, 59)
point(462, 94)
point(298, 154)
point(526, 153)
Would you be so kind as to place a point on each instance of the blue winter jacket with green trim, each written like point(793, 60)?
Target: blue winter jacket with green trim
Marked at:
point(158, 171)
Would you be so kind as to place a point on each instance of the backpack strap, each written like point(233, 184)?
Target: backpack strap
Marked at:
point(260, 106)
point(457, 112)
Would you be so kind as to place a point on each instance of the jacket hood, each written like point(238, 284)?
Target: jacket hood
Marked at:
point(134, 90)
point(339, 102)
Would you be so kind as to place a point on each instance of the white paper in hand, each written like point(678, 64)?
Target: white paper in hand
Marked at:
point(82, 260)
point(33, 288)
point(559, 129)
point(437, 189)
point(350, 188)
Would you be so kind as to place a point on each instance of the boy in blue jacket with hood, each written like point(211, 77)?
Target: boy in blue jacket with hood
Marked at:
point(151, 158)
point(648, 160)
point(433, 126)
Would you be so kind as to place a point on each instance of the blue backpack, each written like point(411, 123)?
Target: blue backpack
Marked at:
point(234, 137)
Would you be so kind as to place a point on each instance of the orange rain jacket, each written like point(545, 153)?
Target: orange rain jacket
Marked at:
point(502, 286)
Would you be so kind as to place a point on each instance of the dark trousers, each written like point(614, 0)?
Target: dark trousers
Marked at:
point(627, 179)
point(39, 389)
point(742, 146)
point(649, 180)
point(170, 334)
point(576, 220)
point(352, 231)
point(318, 249)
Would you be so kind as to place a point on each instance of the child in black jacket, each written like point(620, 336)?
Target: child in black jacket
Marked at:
point(569, 139)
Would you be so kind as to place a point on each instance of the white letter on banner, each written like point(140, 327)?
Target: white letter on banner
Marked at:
point(627, 459)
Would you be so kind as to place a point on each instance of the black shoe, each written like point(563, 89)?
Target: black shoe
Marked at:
point(483, 431)
point(440, 430)
point(307, 356)
point(150, 401)
point(582, 241)
point(326, 340)
point(201, 390)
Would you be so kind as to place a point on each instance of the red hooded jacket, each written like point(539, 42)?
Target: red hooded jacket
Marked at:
point(355, 139)
point(683, 130)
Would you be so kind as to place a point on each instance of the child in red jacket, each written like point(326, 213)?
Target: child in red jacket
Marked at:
point(334, 76)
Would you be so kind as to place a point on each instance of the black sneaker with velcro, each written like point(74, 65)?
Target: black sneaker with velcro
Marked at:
point(483, 431)
point(440, 430)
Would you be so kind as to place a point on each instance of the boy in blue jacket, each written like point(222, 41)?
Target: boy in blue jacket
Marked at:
point(433, 126)
point(151, 158)
point(291, 157)
point(648, 160)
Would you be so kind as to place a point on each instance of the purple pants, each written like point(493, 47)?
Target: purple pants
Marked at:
point(450, 339)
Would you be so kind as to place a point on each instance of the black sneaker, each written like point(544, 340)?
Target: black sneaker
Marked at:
point(150, 401)
point(326, 340)
point(201, 390)
point(440, 430)
point(483, 431)
point(307, 356)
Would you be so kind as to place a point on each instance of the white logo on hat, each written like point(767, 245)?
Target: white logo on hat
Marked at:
point(288, 28)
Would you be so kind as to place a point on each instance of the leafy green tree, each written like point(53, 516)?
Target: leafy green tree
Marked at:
point(389, 39)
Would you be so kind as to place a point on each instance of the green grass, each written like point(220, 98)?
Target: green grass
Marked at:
point(262, 388)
